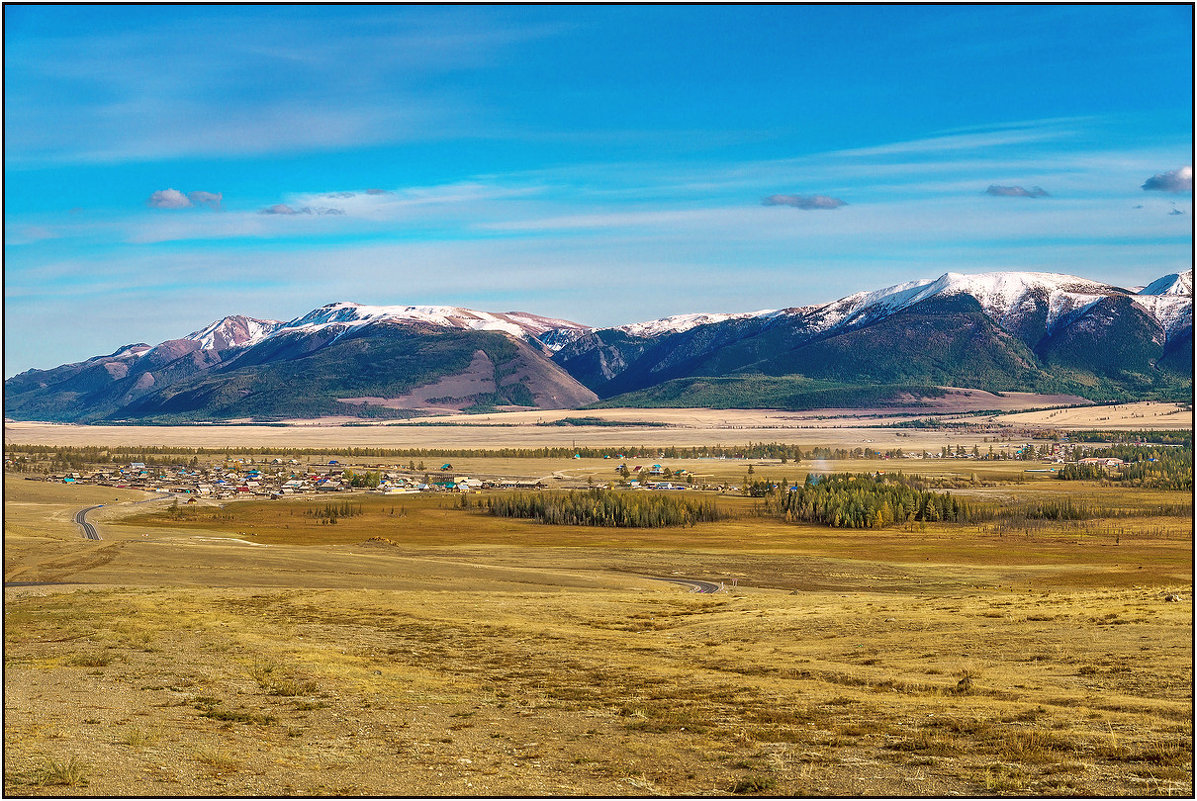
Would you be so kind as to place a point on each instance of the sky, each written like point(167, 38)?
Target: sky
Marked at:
point(165, 166)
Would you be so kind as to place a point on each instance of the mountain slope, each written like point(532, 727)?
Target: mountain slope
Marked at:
point(937, 341)
point(368, 367)
point(997, 331)
point(243, 367)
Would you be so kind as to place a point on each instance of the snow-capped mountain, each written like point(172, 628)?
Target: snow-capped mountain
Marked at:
point(1003, 331)
point(1007, 297)
point(1174, 284)
point(1039, 315)
point(233, 331)
point(238, 331)
point(684, 322)
point(356, 314)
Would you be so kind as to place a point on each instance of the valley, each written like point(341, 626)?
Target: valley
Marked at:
point(357, 643)
point(598, 400)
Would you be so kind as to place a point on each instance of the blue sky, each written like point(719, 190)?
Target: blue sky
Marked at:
point(165, 166)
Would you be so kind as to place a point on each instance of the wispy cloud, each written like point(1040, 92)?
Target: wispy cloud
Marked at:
point(377, 81)
point(805, 202)
point(284, 209)
point(1178, 180)
point(966, 141)
point(210, 199)
point(1015, 191)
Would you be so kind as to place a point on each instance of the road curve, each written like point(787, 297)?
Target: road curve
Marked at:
point(695, 585)
point(89, 531)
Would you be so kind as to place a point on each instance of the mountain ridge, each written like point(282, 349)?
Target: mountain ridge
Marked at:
point(1026, 331)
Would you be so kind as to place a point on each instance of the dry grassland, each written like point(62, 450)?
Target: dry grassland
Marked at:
point(681, 427)
point(622, 692)
point(1133, 416)
point(418, 649)
point(472, 431)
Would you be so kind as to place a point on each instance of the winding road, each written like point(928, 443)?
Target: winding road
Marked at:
point(89, 531)
point(695, 585)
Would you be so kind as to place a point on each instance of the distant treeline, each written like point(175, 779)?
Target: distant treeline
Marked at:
point(1178, 437)
point(79, 456)
point(598, 507)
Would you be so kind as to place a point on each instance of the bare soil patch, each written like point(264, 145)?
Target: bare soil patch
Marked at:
point(450, 393)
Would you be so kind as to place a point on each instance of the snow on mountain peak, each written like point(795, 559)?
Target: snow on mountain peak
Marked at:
point(1006, 297)
point(1169, 300)
point(1174, 284)
point(517, 324)
point(233, 331)
point(684, 322)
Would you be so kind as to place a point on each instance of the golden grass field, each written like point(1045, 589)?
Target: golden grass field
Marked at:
point(421, 649)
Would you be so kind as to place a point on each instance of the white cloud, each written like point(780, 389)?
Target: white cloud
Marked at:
point(168, 199)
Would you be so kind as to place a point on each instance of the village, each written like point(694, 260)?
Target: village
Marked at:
point(278, 477)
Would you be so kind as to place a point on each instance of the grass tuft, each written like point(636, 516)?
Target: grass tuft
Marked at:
point(138, 738)
point(752, 783)
point(71, 773)
point(91, 660)
point(217, 759)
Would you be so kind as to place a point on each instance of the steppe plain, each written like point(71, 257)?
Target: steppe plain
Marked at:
point(422, 649)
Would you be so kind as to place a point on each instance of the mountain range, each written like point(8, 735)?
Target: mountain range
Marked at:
point(1004, 331)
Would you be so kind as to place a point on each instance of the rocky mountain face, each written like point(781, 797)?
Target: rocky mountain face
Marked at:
point(997, 331)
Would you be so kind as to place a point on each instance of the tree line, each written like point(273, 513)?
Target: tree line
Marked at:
point(599, 507)
point(847, 500)
point(1177, 437)
point(79, 456)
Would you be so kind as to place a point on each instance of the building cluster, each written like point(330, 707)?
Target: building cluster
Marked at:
point(638, 477)
point(278, 478)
